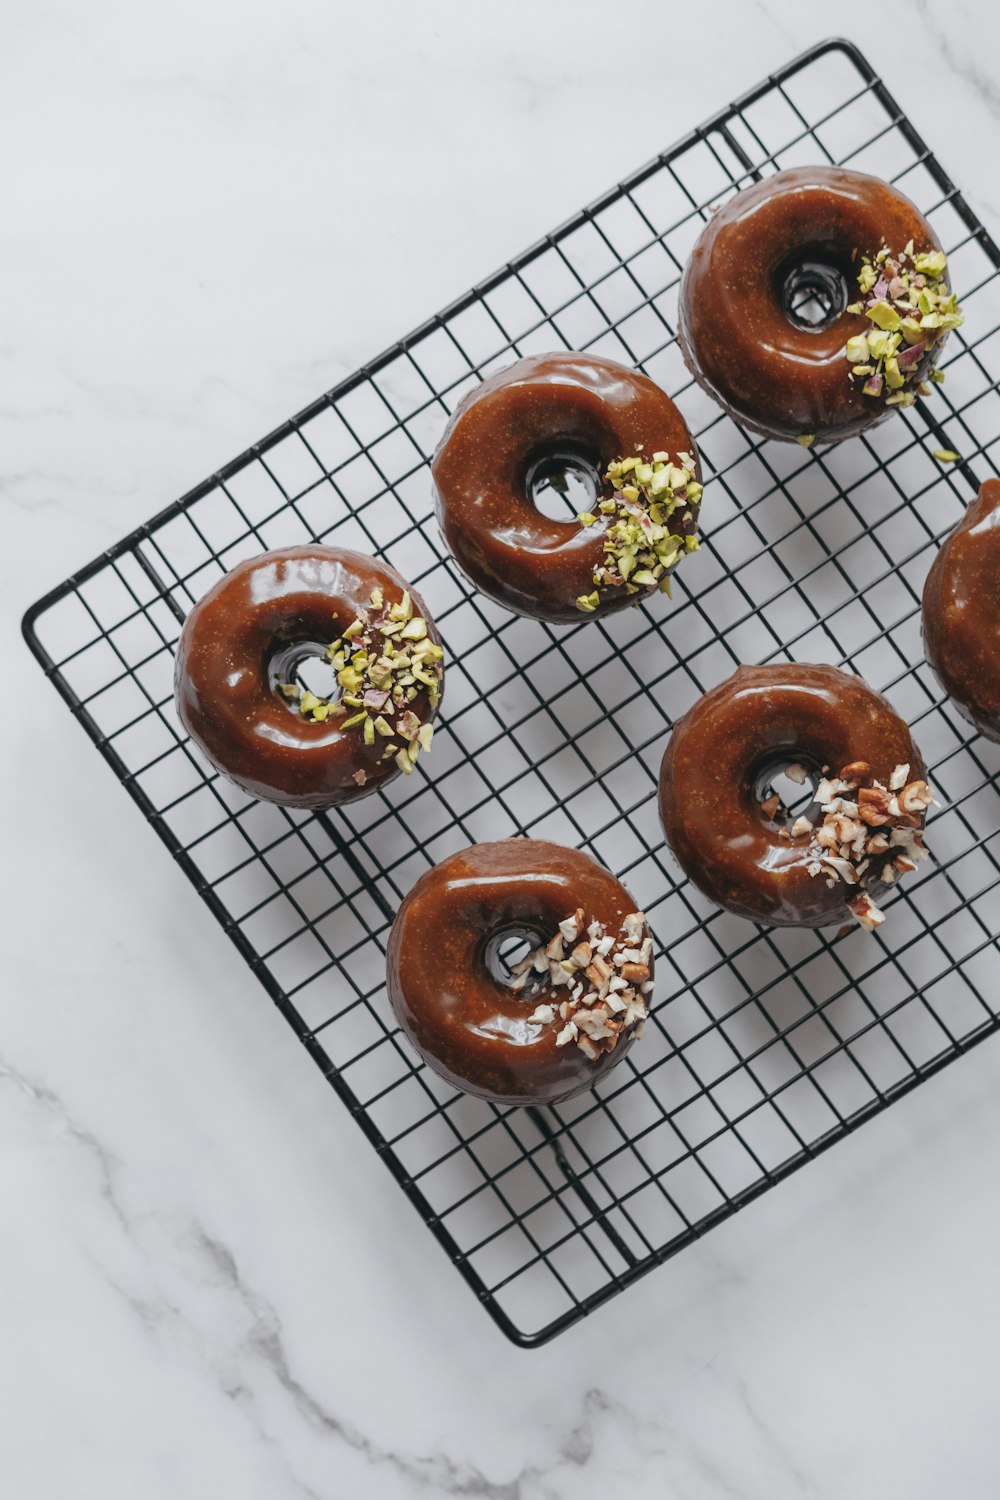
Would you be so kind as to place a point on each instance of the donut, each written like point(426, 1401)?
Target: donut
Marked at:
point(961, 613)
point(244, 644)
point(815, 242)
point(735, 841)
point(609, 425)
point(556, 1022)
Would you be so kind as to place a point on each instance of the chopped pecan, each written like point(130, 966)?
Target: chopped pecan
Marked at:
point(599, 972)
point(866, 911)
point(873, 806)
point(915, 797)
point(635, 973)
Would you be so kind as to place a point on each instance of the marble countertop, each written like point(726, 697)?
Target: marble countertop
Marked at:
point(208, 1284)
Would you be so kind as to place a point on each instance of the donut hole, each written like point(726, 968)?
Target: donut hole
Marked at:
point(813, 290)
point(505, 949)
point(793, 781)
point(301, 664)
point(563, 481)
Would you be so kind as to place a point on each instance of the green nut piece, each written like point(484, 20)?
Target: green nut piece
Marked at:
point(883, 315)
point(905, 297)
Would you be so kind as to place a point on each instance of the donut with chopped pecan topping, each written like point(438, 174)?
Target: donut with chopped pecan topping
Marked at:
point(729, 831)
point(814, 303)
point(251, 647)
point(961, 613)
point(545, 1028)
point(528, 427)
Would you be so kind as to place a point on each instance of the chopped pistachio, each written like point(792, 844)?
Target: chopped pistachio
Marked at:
point(806, 439)
point(881, 344)
point(393, 663)
point(638, 542)
point(883, 315)
point(906, 299)
point(946, 455)
point(931, 264)
point(402, 611)
point(894, 378)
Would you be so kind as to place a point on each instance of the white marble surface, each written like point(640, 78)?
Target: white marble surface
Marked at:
point(208, 1284)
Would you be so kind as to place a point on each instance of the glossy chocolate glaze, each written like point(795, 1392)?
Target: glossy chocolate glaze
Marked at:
point(770, 374)
point(467, 1025)
point(547, 403)
point(221, 682)
point(760, 719)
point(961, 613)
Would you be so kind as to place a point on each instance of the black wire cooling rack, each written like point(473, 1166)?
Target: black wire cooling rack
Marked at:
point(765, 1046)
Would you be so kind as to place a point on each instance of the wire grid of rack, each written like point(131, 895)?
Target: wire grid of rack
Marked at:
point(765, 1046)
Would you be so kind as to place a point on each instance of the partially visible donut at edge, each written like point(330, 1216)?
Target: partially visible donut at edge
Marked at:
point(961, 613)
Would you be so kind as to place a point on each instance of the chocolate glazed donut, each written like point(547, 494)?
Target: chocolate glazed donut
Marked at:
point(565, 1016)
point(537, 415)
point(722, 753)
point(247, 636)
point(800, 236)
point(961, 613)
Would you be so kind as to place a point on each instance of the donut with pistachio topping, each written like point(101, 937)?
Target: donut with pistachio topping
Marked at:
point(310, 676)
point(623, 437)
point(814, 303)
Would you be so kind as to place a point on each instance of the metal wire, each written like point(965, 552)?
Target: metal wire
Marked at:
point(765, 1046)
